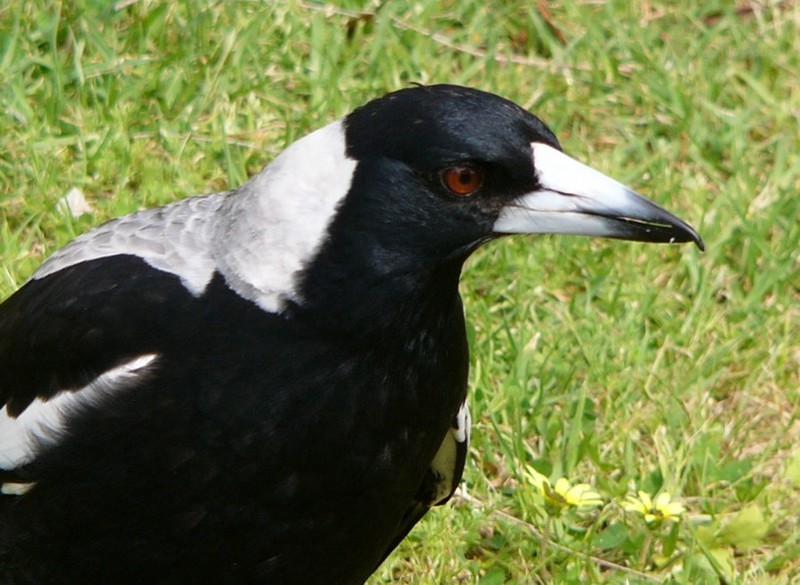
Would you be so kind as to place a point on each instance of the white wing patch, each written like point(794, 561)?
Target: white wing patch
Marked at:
point(40, 424)
point(450, 457)
point(11, 488)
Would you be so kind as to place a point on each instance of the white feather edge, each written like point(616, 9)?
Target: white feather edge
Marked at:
point(41, 423)
point(444, 462)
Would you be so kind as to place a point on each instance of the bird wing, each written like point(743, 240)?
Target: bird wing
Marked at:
point(442, 478)
point(88, 328)
point(93, 317)
point(445, 470)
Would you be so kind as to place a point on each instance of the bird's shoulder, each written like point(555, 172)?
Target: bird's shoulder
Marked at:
point(177, 238)
point(84, 328)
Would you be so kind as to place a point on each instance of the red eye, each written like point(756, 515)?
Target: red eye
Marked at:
point(462, 179)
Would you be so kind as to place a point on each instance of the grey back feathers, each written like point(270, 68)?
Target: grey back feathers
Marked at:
point(175, 239)
point(258, 236)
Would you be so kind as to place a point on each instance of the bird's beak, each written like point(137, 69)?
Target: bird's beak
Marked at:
point(576, 199)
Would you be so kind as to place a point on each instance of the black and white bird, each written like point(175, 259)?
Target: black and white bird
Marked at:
point(268, 385)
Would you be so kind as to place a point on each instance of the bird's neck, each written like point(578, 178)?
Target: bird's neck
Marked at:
point(362, 302)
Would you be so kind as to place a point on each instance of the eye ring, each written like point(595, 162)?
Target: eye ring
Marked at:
point(462, 179)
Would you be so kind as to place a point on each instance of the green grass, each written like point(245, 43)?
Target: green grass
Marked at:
point(625, 366)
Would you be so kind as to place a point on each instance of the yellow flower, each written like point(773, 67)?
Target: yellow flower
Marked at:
point(564, 494)
point(536, 478)
point(580, 495)
point(654, 511)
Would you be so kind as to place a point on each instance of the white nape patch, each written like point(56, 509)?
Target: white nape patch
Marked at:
point(272, 227)
point(446, 460)
point(258, 236)
point(174, 238)
point(572, 199)
point(41, 422)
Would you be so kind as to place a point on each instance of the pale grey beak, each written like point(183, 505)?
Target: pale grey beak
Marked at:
point(576, 199)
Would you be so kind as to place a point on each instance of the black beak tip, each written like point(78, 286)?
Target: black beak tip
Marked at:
point(693, 236)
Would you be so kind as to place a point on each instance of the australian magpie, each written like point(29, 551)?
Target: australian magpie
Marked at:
point(268, 385)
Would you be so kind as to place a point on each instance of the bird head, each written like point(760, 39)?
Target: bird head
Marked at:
point(467, 166)
point(413, 182)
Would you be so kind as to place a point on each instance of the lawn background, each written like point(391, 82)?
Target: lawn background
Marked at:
point(626, 366)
